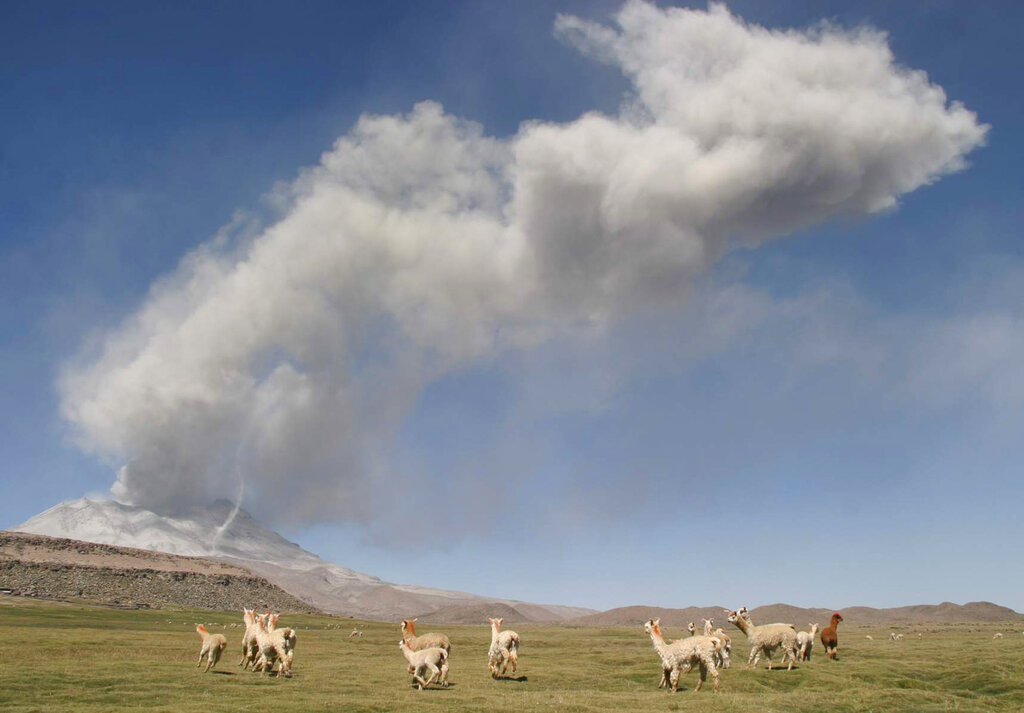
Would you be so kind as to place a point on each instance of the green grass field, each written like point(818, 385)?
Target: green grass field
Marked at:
point(66, 657)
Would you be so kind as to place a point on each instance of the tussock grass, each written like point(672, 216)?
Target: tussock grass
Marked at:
point(71, 658)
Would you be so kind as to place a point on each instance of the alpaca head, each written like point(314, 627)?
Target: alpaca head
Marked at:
point(409, 627)
point(836, 618)
point(653, 625)
point(496, 623)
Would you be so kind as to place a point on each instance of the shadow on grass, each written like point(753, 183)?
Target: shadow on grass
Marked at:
point(514, 679)
point(223, 673)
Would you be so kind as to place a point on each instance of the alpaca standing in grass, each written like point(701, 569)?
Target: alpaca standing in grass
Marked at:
point(250, 649)
point(213, 647)
point(417, 643)
point(432, 658)
point(504, 649)
point(830, 638)
point(680, 656)
point(805, 642)
point(766, 639)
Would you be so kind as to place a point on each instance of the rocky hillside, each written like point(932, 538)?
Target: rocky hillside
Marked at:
point(58, 568)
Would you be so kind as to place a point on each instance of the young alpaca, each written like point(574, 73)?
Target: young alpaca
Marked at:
point(766, 639)
point(417, 643)
point(213, 646)
point(432, 658)
point(829, 637)
point(805, 642)
point(724, 657)
point(250, 650)
point(692, 628)
point(504, 649)
point(683, 653)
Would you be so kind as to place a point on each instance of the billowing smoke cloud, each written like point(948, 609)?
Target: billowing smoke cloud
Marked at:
point(419, 245)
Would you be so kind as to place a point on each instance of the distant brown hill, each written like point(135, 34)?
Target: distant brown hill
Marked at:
point(60, 568)
point(475, 614)
point(947, 612)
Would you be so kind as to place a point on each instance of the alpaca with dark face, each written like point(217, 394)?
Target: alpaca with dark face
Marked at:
point(829, 638)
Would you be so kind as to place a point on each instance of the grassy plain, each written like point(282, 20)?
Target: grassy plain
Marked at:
point(73, 658)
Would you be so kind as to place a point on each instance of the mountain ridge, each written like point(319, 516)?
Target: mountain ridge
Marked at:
point(222, 532)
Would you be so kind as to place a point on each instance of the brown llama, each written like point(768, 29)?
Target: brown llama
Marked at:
point(829, 639)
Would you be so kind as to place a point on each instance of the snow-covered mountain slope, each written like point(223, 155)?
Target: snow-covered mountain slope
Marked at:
point(212, 532)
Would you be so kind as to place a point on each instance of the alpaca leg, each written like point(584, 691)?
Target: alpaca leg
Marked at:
point(703, 668)
point(444, 673)
point(201, 654)
point(665, 673)
point(674, 679)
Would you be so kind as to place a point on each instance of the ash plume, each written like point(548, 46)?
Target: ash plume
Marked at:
point(419, 245)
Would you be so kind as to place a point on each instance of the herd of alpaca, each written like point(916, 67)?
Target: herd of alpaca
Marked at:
point(265, 646)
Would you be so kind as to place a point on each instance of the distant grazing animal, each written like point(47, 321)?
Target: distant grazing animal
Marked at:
point(766, 639)
point(504, 649)
point(213, 647)
point(829, 638)
point(355, 633)
point(869, 637)
point(998, 635)
point(805, 643)
point(432, 658)
point(417, 643)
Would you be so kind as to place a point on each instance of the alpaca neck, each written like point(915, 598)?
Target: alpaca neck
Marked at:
point(494, 632)
point(743, 625)
point(658, 640)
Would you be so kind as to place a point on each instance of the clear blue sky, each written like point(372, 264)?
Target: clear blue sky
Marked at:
point(829, 418)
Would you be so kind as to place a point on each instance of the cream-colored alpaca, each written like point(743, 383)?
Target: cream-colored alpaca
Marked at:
point(504, 649)
point(276, 645)
point(680, 656)
point(805, 642)
point(250, 649)
point(426, 641)
point(213, 647)
point(432, 658)
point(766, 638)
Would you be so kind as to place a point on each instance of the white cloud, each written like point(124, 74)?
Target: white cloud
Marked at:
point(419, 245)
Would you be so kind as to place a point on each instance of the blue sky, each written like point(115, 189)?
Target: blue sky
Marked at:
point(829, 417)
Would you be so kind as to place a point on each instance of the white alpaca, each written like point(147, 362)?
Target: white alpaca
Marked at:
point(998, 635)
point(725, 655)
point(213, 646)
point(766, 639)
point(504, 649)
point(805, 643)
point(276, 645)
point(680, 656)
point(433, 659)
point(250, 649)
